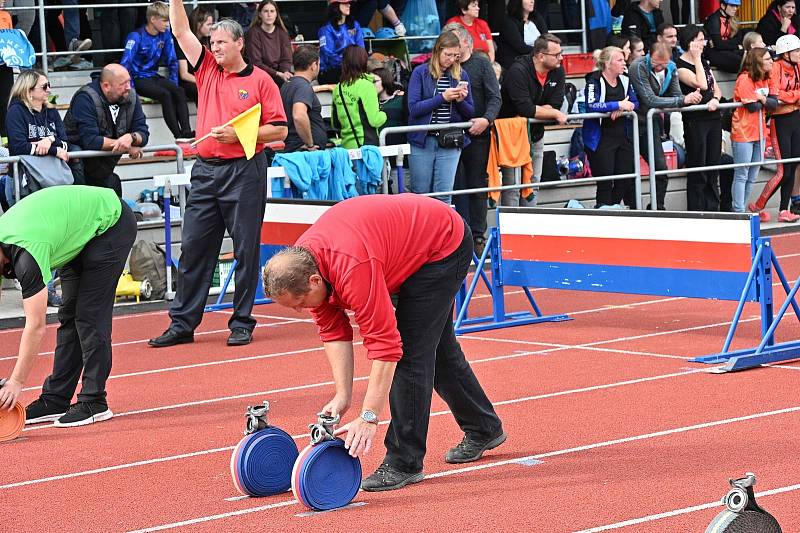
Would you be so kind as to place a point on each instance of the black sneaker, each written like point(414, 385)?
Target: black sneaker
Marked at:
point(83, 413)
point(469, 450)
point(171, 338)
point(41, 410)
point(389, 478)
point(240, 337)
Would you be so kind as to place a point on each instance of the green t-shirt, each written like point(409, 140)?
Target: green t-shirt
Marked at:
point(362, 90)
point(54, 224)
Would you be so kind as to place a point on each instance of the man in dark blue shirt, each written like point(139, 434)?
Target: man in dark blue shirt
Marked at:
point(146, 49)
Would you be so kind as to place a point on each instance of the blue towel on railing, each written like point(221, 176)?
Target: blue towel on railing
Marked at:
point(320, 163)
point(15, 49)
point(343, 179)
point(369, 169)
point(297, 170)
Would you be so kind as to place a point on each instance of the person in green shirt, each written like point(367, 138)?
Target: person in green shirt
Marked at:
point(356, 109)
point(87, 233)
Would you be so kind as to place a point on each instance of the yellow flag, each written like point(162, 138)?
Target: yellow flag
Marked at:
point(246, 126)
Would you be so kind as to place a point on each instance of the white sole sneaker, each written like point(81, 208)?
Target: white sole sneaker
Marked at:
point(99, 417)
point(42, 419)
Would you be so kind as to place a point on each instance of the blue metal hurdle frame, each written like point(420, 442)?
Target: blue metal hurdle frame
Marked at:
point(757, 288)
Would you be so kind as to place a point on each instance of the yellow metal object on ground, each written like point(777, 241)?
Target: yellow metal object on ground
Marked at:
point(127, 287)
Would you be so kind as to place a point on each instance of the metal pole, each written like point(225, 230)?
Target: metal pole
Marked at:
point(637, 166)
point(43, 37)
point(651, 159)
point(584, 33)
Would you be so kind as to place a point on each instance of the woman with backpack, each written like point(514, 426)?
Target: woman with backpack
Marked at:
point(356, 109)
point(438, 93)
point(609, 141)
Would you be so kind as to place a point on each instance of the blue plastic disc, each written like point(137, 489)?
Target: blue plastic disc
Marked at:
point(325, 476)
point(261, 464)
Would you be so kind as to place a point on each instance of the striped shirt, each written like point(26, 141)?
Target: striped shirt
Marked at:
point(441, 115)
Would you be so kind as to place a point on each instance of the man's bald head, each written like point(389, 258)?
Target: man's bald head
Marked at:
point(115, 82)
point(289, 271)
point(112, 71)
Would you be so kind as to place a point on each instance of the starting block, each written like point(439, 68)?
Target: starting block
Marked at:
point(325, 476)
point(261, 464)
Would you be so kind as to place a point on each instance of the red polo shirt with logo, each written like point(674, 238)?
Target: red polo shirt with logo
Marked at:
point(223, 95)
point(366, 248)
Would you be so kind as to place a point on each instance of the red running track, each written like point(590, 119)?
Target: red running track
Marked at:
point(610, 427)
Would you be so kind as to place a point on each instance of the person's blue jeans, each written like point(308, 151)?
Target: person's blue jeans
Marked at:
point(745, 177)
point(72, 21)
point(8, 190)
point(433, 169)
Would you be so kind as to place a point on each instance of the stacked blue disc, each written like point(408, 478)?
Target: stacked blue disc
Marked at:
point(325, 476)
point(261, 464)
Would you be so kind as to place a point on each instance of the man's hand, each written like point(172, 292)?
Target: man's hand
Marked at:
point(284, 75)
point(123, 144)
point(560, 117)
point(479, 125)
point(337, 406)
point(359, 436)
point(224, 134)
point(62, 155)
point(9, 394)
point(135, 152)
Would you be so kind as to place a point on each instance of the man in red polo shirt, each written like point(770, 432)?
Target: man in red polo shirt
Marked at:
point(359, 255)
point(228, 190)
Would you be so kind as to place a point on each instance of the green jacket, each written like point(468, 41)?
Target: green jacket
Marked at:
point(361, 101)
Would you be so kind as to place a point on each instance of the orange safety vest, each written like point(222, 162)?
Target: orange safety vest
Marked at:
point(509, 147)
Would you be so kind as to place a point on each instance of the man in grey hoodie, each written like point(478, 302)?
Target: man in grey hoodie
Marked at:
point(655, 79)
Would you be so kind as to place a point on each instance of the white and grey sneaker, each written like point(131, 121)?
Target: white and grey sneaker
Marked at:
point(79, 45)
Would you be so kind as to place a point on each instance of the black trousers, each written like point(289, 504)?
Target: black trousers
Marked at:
point(173, 103)
point(231, 196)
point(190, 88)
point(703, 148)
point(83, 340)
point(660, 160)
point(726, 60)
point(471, 174)
point(787, 128)
point(614, 155)
point(433, 360)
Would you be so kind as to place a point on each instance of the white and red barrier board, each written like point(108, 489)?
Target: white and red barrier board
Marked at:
point(285, 222)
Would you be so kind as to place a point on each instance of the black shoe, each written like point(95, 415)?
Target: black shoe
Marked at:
point(389, 478)
point(171, 338)
point(469, 450)
point(480, 243)
point(83, 413)
point(41, 410)
point(240, 337)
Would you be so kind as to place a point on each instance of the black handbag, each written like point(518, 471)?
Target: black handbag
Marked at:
point(450, 138)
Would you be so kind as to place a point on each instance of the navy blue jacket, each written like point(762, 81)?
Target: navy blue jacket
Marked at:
point(596, 103)
point(25, 127)
point(423, 101)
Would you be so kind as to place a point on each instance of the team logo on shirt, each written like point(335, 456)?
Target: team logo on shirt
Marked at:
point(243, 94)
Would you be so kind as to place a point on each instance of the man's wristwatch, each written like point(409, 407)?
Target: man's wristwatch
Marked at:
point(369, 416)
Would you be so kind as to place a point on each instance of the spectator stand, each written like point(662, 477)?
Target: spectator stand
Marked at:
point(286, 218)
point(692, 255)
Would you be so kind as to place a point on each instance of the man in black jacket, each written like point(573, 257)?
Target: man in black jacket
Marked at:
point(106, 114)
point(533, 87)
point(642, 19)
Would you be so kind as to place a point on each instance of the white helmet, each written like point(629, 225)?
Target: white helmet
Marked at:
point(787, 43)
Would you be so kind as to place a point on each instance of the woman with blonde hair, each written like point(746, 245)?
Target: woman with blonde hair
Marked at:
point(268, 44)
point(438, 93)
point(724, 50)
point(609, 141)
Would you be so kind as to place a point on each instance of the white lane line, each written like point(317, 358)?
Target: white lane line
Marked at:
point(577, 346)
point(216, 517)
point(685, 510)
point(518, 460)
point(305, 435)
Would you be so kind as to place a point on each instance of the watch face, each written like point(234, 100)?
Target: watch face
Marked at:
point(369, 416)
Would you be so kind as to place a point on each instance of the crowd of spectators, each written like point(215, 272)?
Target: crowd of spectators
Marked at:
point(471, 75)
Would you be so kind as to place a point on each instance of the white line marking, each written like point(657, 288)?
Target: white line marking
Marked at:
point(517, 460)
point(685, 510)
point(305, 435)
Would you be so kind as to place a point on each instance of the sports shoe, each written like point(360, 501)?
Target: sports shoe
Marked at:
point(400, 30)
point(764, 217)
point(389, 478)
point(240, 337)
point(41, 410)
point(469, 450)
point(81, 64)
point(79, 45)
point(787, 216)
point(61, 62)
point(171, 338)
point(84, 413)
point(753, 208)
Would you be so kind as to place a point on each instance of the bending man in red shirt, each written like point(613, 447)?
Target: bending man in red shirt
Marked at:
point(357, 256)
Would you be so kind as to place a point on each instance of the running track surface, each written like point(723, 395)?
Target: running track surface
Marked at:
point(610, 427)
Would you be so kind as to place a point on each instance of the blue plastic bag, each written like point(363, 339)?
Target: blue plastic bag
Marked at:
point(421, 17)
